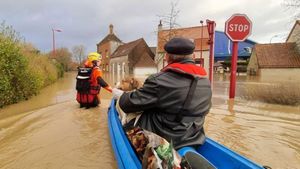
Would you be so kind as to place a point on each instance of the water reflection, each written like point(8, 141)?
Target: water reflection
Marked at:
point(262, 132)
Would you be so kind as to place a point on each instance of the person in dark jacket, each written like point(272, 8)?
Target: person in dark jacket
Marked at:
point(175, 101)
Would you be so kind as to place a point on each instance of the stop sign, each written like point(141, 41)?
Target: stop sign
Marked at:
point(238, 27)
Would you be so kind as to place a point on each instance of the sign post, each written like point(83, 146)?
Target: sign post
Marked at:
point(238, 27)
point(211, 32)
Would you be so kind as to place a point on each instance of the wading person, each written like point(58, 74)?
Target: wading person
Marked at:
point(173, 102)
point(90, 81)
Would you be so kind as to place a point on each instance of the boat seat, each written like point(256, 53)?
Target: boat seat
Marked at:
point(194, 159)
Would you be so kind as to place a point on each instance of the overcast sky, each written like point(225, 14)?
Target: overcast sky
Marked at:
point(86, 22)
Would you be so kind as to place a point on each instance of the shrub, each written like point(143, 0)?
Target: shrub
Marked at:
point(59, 67)
point(278, 93)
point(13, 72)
point(40, 66)
point(23, 70)
point(63, 57)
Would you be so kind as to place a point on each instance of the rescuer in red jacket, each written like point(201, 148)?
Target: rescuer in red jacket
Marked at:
point(93, 61)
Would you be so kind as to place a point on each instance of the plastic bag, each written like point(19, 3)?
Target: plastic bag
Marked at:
point(154, 151)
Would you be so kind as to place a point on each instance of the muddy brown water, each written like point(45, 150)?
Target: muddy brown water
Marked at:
point(51, 131)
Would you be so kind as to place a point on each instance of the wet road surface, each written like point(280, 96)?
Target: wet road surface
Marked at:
point(51, 131)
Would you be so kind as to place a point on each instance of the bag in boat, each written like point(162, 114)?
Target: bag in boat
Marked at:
point(154, 151)
point(157, 153)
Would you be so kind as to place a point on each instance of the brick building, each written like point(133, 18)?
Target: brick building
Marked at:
point(134, 57)
point(277, 60)
point(199, 35)
point(107, 46)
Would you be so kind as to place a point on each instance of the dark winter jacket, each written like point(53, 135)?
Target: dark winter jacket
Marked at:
point(162, 98)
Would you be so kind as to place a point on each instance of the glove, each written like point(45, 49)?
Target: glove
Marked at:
point(117, 93)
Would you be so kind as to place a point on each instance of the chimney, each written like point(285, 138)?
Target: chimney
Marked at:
point(111, 29)
point(159, 26)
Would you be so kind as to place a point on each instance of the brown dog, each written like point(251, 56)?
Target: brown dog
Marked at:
point(128, 84)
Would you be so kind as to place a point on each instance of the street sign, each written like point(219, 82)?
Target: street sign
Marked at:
point(238, 27)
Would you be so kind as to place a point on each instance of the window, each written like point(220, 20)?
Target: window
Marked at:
point(106, 53)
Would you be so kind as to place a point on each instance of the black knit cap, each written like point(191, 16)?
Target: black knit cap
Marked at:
point(179, 46)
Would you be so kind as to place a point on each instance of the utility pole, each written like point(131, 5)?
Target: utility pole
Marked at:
point(53, 39)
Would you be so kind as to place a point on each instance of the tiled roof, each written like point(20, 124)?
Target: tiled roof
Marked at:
point(190, 33)
point(110, 37)
point(126, 48)
point(277, 55)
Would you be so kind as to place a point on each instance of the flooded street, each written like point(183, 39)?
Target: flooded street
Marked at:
point(51, 131)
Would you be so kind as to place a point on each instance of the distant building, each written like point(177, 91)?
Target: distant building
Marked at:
point(294, 35)
point(107, 46)
point(223, 47)
point(133, 58)
point(197, 34)
point(277, 60)
point(218, 67)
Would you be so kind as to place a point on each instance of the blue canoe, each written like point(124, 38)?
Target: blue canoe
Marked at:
point(217, 154)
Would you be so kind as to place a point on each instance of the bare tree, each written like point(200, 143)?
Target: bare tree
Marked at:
point(78, 53)
point(294, 7)
point(169, 20)
point(64, 57)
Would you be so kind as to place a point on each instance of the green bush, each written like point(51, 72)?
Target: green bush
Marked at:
point(23, 70)
point(60, 69)
point(42, 68)
point(15, 83)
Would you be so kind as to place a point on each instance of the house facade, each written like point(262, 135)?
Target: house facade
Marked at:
point(294, 35)
point(133, 58)
point(276, 61)
point(279, 61)
point(107, 46)
point(223, 47)
point(199, 35)
point(127, 58)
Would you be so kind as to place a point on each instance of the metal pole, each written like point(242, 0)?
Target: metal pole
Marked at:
point(233, 70)
point(201, 41)
point(211, 30)
point(53, 42)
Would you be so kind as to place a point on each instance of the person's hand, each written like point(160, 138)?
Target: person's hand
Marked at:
point(108, 88)
point(117, 93)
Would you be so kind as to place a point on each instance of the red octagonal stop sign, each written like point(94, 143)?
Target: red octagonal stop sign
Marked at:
point(238, 27)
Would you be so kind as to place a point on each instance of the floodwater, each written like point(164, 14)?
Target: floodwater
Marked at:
point(51, 131)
